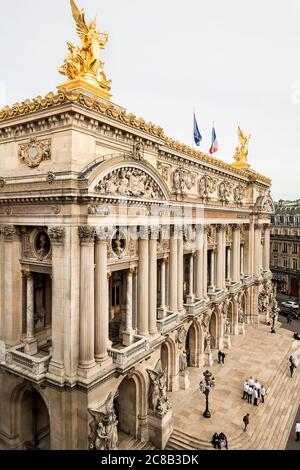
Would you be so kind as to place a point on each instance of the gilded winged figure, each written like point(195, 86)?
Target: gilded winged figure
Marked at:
point(242, 150)
point(84, 62)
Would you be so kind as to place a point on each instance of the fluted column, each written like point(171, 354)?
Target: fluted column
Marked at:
point(266, 257)
point(128, 333)
point(229, 264)
point(11, 288)
point(101, 297)
point(190, 296)
point(154, 233)
point(87, 300)
point(143, 283)
point(242, 260)
point(205, 262)
point(180, 270)
point(199, 263)
point(236, 253)
point(224, 257)
point(162, 308)
point(173, 271)
point(220, 257)
point(212, 270)
point(257, 250)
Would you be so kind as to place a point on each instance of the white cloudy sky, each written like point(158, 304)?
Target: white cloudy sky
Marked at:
point(235, 61)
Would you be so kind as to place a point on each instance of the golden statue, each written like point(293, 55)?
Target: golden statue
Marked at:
point(83, 65)
point(241, 152)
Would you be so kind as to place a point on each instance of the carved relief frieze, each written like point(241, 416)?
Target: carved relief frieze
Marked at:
point(130, 182)
point(34, 152)
point(239, 194)
point(36, 244)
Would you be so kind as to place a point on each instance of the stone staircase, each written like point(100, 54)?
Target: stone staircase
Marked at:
point(270, 423)
point(127, 442)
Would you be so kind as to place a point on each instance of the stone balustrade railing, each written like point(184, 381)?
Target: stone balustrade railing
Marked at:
point(35, 365)
point(234, 287)
point(195, 309)
point(167, 322)
point(123, 356)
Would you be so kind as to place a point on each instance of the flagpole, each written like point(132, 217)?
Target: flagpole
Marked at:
point(193, 127)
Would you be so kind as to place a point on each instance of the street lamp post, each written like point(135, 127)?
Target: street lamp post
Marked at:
point(205, 389)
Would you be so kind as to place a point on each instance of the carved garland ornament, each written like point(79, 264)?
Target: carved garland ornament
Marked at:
point(35, 152)
point(130, 182)
point(207, 185)
point(182, 180)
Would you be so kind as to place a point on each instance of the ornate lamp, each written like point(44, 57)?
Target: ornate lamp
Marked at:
point(205, 389)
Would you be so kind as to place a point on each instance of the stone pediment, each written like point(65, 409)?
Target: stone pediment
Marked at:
point(131, 181)
point(264, 204)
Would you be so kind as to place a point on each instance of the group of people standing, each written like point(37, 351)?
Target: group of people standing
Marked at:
point(253, 391)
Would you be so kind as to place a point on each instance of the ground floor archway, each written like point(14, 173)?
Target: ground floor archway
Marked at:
point(125, 406)
point(34, 422)
point(213, 330)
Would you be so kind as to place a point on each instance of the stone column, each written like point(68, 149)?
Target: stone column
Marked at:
point(162, 308)
point(224, 257)
point(199, 263)
point(173, 271)
point(242, 260)
point(101, 297)
point(2, 314)
point(190, 296)
point(205, 262)
point(143, 283)
point(87, 300)
point(128, 333)
point(11, 288)
point(229, 264)
point(180, 271)
point(266, 257)
point(236, 253)
point(212, 270)
point(219, 277)
point(154, 234)
point(30, 341)
point(134, 300)
point(257, 251)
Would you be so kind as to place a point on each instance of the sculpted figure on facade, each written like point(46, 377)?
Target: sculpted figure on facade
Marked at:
point(183, 361)
point(35, 152)
point(207, 185)
point(180, 336)
point(182, 180)
point(241, 316)
point(224, 191)
point(130, 182)
point(238, 194)
point(138, 151)
point(158, 399)
point(104, 427)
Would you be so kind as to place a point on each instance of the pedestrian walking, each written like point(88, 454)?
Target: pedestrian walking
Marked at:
point(246, 421)
point(292, 367)
point(297, 431)
point(223, 357)
point(219, 356)
point(262, 394)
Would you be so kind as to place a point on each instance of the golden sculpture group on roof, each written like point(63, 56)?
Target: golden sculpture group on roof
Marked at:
point(83, 63)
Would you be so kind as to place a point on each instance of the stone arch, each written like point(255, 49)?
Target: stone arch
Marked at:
point(216, 329)
point(31, 417)
point(131, 405)
point(106, 169)
point(170, 363)
point(195, 345)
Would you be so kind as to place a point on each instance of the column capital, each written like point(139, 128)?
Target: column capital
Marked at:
point(56, 235)
point(144, 232)
point(109, 274)
point(266, 226)
point(86, 233)
point(102, 234)
point(206, 228)
point(257, 226)
point(10, 233)
point(236, 226)
point(154, 231)
point(221, 227)
point(26, 273)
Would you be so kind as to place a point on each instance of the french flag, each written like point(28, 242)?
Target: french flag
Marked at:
point(214, 143)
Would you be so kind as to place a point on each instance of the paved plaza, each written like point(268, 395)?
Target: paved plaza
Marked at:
point(262, 355)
